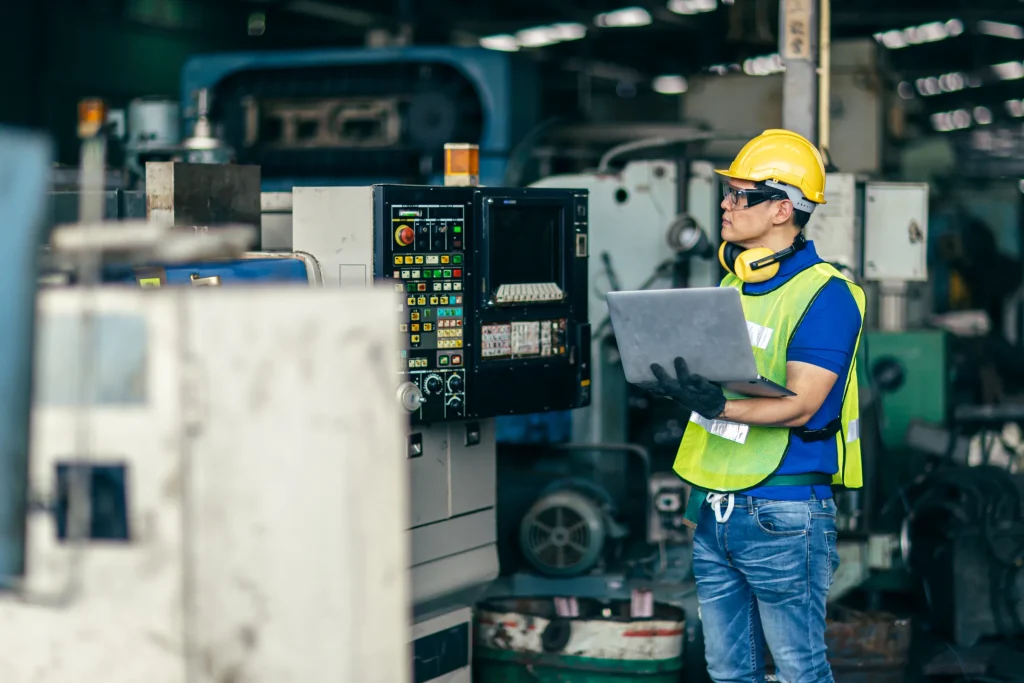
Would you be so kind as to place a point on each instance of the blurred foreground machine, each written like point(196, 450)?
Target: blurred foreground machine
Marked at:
point(171, 532)
point(162, 535)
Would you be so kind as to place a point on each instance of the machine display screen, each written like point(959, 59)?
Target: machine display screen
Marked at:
point(525, 243)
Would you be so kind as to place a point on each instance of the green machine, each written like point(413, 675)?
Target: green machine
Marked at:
point(910, 372)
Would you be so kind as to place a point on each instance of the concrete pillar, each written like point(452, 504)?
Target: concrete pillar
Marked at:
point(798, 46)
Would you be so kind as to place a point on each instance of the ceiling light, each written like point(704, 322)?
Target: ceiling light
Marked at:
point(764, 65)
point(503, 42)
point(1014, 108)
point(692, 6)
point(916, 35)
point(1009, 71)
point(669, 85)
point(905, 90)
point(569, 31)
point(1000, 30)
point(951, 120)
point(982, 115)
point(629, 16)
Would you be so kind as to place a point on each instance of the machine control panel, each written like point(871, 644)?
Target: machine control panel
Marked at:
point(492, 288)
point(427, 257)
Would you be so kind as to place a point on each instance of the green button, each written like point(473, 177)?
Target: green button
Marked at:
point(447, 273)
point(411, 287)
point(443, 360)
point(437, 273)
point(457, 228)
point(426, 274)
point(457, 258)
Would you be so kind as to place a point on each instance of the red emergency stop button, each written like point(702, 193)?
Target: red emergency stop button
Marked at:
point(404, 235)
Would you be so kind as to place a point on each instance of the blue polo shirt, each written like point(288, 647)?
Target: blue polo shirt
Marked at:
point(826, 337)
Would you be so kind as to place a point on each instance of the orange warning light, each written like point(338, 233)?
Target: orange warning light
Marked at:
point(461, 164)
point(92, 115)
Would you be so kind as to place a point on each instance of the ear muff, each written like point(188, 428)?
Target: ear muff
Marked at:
point(738, 260)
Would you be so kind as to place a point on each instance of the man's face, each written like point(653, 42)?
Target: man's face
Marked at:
point(742, 225)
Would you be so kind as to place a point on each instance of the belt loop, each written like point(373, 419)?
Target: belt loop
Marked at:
point(750, 505)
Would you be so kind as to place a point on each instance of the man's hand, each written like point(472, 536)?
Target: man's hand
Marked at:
point(692, 391)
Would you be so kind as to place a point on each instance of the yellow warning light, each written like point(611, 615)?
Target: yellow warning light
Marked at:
point(461, 164)
point(92, 115)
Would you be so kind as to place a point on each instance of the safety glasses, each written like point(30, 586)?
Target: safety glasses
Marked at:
point(737, 200)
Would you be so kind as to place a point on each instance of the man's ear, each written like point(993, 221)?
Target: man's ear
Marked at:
point(783, 212)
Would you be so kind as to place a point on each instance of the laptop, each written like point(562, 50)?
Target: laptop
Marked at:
point(704, 325)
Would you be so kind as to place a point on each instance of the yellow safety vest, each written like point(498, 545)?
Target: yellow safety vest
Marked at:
point(725, 457)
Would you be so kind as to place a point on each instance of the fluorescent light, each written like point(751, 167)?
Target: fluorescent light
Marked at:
point(620, 18)
point(1000, 30)
point(1015, 108)
point(538, 36)
point(764, 65)
point(1009, 71)
point(982, 115)
point(916, 35)
point(567, 32)
point(947, 121)
point(669, 85)
point(906, 91)
point(503, 42)
point(692, 6)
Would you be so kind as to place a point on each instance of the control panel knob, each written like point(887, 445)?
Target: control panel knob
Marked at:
point(433, 384)
point(455, 403)
point(455, 384)
point(404, 235)
point(410, 396)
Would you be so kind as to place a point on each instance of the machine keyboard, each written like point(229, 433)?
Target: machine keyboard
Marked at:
point(541, 291)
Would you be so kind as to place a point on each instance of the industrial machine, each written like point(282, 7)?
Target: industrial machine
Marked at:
point(494, 312)
point(363, 116)
point(168, 539)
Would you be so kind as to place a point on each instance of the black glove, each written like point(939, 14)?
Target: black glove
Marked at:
point(692, 391)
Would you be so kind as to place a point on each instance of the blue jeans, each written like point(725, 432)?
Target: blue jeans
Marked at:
point(763, 576)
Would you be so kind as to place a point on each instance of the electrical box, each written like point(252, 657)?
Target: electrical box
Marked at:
point(896, 231)
point(834, 225)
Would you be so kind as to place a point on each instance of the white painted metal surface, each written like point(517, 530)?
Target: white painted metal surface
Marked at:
point(266, 493)
point(896, 232)
point(834, 226)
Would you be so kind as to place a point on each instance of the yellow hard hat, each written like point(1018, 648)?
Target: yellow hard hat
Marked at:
point(784, 157)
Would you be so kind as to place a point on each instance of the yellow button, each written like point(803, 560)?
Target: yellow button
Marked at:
point(411, 301)
point(415, 327)
point(433, 300)
point(415, 339)
point(444, 300)
point(408, 260)
point(457, 343)
point(419, 259)
point(444, 259)
point(415, 315)
point(427, 327)
point(398, 260)
point(421, 301)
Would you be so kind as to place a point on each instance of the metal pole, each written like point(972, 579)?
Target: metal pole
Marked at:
point(798, 46)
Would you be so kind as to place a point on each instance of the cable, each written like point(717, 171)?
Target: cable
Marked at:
point(647, 143)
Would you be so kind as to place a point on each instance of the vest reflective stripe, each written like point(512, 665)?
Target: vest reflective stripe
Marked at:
point(719, 464)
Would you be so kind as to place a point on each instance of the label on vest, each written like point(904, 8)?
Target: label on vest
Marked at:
point(853, 431)
point(759, 336)
point(733, 431)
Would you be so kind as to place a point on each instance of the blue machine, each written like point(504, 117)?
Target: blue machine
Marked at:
point(365, 116)
point(254, 268)
point(24, 176)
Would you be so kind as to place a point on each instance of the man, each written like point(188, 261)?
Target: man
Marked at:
point(764, 549)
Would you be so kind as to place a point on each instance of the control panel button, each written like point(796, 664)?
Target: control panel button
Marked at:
point(411, 301)
point(408, 260)
point(398, 261)
point(457, 258)
point(419, 260)
point(415, 315)
point(455, 383)
point(415, 339)
point(456, 360)
point(444, 259)
point(433, 384)
point(457, 273)
point(442, 360)
point(421, 287)
point(404, 235)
